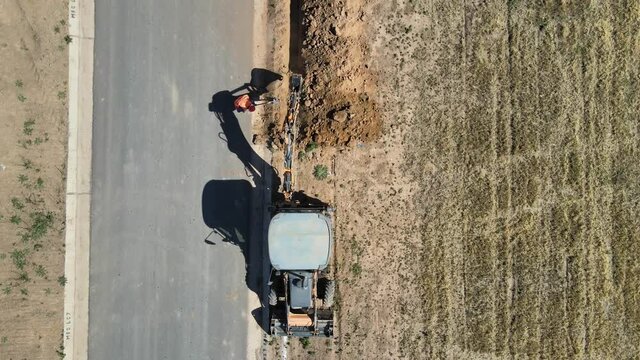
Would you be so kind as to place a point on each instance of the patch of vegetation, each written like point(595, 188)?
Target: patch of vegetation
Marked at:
point(22, 98)
point(16, 220)
point(68, 39)
point(356, 269)
point(23, 179)
point(6, 290)
point(39, 183)
point(40, 224)
point(28, 126)
point(27, 164)
point(62, 280)
point(23, 276)
point(62, 95)
point(56, 29)
point(4, 340)
point(47, 291)
point(19, 258)
point(19, 83)
point(305, 342)
point(3, 256)
point(17, 204)
point(320, 172)
point(311, 147)
point(24, 292)
point(41, 271)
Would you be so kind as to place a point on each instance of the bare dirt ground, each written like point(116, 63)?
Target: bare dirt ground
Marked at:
point(492, 211)
point(33, 137)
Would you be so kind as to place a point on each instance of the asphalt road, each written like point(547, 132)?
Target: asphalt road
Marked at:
point(157, 290)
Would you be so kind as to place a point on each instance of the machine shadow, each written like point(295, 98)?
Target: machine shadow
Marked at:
point(228, 206)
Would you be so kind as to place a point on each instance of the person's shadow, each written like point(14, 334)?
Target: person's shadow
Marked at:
point(234, 209)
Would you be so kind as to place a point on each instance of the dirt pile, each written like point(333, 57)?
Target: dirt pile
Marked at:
point(339, 107)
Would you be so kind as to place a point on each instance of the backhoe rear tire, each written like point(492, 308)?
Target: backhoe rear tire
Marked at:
point(329, 293)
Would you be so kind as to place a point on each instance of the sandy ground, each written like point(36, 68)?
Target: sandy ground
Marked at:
point(33, 54)
point(492, 213)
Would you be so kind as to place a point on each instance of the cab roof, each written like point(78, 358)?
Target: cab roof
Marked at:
point(299, 241)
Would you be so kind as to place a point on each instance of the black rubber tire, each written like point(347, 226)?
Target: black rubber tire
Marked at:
point(273, 298)
point(329, 294)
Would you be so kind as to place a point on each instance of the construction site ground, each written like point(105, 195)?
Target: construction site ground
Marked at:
point(482, 160)
point(33, 136)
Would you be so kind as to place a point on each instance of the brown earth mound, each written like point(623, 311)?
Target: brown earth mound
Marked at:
point(339, 106)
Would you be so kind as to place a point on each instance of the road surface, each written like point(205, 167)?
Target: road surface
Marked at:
point(157, 290)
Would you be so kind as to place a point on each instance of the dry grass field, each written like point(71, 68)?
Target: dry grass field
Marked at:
point(33, 137)
point(498, 215)
point(526, 143)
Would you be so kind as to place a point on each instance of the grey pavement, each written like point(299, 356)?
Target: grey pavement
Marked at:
point(157, 291)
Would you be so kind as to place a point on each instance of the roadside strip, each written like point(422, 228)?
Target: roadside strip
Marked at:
point(78, 195)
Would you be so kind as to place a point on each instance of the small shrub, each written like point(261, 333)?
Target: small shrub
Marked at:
point(4, 340)
point(39, 183)
point(311, 147)
point(305, 342)
point(19, 83)
point(56, 29)
point(41, 271)
point(22, 98)
point(6, 290)
point(19, 258)
point(17, 204)
point(23, 276)
point(320, 172)
point(62, 95)
point(62, 280)
point(47, 291)
point(16, 220)
point(68, 39)
point(22, 179)
point(24, 292)
point(27, 164)
point(41, 222)
point(302, 155)
point(28, 126)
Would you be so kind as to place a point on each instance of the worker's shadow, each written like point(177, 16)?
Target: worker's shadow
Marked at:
point(236, 210)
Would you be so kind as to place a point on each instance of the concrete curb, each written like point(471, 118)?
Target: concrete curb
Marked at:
point(78, 195)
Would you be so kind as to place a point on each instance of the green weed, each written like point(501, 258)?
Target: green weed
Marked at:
point(39, 183)
point(27, 164)
point(47, 291)
point(305, 342)
point(16, 220)
point(56, 29)
point(28, 126)
point(68, 39)
point(41, 271)
point(22, 98)
point(311, 147)
point(19, 83)
point(24, 291)
point(6, 290)
point(23, 276)
point(40, 224)
point(17, 204)
point(19, 258)
point(320, 172)
point(62, 95)
point(23, 179)
point(62, 280)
